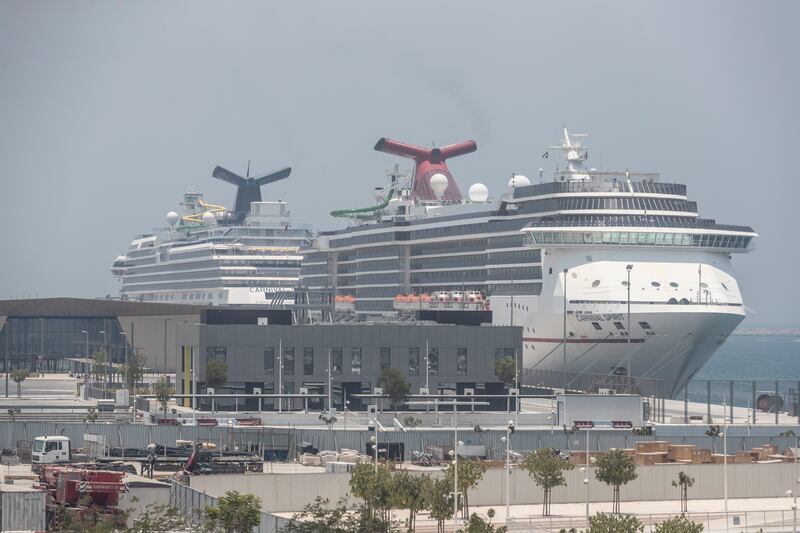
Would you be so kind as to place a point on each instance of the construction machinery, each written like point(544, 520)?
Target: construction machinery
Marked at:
point(81, 495)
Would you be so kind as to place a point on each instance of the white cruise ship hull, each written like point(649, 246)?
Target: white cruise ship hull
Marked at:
point(667, 342)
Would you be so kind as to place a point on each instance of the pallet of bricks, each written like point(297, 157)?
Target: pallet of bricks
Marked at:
point(660, 452)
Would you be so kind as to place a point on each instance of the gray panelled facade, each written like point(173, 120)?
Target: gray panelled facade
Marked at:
point(42, 334)
point(460, 357)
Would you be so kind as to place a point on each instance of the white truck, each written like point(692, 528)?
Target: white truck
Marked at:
point(51, 449)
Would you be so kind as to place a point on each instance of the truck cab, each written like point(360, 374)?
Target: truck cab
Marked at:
point(50, 450)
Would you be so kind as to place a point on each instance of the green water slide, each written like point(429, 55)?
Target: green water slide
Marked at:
point(364, 213)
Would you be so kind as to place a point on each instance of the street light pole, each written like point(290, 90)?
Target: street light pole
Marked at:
point(105, 349)
point(564, 338)
point(628, 347)
point(126, 369)
point(455, 465)
point(794, 492)
point(330, 406)
point(374, 439)
point(280, 375)
point(7, 334)
point(507, 438)
point(427, 373)
point(725, 458)
point(586, 480)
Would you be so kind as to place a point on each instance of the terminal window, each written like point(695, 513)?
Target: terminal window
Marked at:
point(461, 362)
point(386, 358)
point(355, 361)
point(413, 361)
point(269, 361)
point(336, 361)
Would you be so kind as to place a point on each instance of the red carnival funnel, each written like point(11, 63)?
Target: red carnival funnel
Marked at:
point(429, 161)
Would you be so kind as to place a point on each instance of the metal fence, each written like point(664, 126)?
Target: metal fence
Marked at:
point(530, 440)
point(280, 443)
point(190, 504)
point(272, 443)
point(746, 521)
point(763, 399)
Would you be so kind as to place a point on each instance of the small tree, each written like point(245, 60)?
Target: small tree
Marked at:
point(133, 371)
point(395, 386)
point(547, 470)
point(18, 375)
point(157, 517)
point(470, 472)
point(91, 416)
point(234, 513)
point(684, 482)
point(329, 420)
point(506, 370)
point(375, 489)
point(606, 523)
point(163, 392)
point(100, 359)
point(678, 524)
point(320, 517)
point(615, 469)
point(216, 373)
point(477, 524)
point(408, 494)
point(438, 497)
point(411, 422)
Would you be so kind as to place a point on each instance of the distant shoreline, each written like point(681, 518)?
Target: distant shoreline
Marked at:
point(767, 332)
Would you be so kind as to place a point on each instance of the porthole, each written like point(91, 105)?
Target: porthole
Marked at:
point(672, 301)
point(703, 285)
point(673, 284)
point(624, 283)
point(595, 283)
point(655, 284)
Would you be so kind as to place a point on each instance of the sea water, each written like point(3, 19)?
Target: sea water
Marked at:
point(744, 359)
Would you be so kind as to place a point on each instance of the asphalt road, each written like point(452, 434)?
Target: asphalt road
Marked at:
point(41, 387)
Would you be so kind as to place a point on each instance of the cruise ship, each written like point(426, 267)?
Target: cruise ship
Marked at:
point(608, 273)
point(211, 255)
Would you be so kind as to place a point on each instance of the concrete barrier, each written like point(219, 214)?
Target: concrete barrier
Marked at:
point(291, 492)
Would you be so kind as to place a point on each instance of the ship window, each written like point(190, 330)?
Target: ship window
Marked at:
point(723, 286)
point(704, 285)
point(655, 284)
point(597, 325)
point(645, 325)
point(619, 325)
point(673, 284)
point(625, 283)
point(595, 283)
point(672, 301)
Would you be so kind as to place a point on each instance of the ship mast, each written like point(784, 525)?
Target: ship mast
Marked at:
point(575, 154)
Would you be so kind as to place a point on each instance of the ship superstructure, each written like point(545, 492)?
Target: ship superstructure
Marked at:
point(248, 255)
point(616, 266)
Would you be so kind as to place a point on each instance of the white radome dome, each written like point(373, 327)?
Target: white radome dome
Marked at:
point(518, 180)
point(478, 192)
point(209, 219)
point(172, 218)
point(439, 184)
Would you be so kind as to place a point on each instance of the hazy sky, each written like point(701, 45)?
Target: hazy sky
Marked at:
point(109, 111)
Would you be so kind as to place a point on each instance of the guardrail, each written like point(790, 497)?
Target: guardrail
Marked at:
point(190, 503)
point(745, 521)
